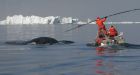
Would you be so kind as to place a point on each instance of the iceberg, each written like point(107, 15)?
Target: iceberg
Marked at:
point(27, 20)
point(20, 19)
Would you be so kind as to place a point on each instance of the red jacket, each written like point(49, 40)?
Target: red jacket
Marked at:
point(112, 32)
point(99, 40)
point(100, 22)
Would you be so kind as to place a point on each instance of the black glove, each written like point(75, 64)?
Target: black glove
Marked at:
point(105, 17)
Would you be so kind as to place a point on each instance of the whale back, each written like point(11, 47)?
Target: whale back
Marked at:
point(43, 40)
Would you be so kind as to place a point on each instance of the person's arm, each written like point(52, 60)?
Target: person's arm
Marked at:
point(104, 19)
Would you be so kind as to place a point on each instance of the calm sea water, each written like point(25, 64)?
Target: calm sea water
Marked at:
point(74, 59)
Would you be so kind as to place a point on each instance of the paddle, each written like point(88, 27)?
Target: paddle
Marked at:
point(102, 17)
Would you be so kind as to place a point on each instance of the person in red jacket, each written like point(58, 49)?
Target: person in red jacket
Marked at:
point(101, 26)
point(99, 40)
point(112, 32)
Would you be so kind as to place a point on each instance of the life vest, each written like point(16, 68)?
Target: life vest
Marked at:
point(112, 32)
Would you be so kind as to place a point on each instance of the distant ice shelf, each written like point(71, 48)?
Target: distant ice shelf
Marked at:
point(20, 19)
point(27, 20)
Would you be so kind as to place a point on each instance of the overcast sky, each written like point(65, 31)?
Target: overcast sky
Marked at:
point(75, 8)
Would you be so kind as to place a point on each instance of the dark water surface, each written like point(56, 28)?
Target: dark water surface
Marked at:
point(73, 59)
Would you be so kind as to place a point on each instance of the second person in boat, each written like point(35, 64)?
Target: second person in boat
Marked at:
point(112, 32)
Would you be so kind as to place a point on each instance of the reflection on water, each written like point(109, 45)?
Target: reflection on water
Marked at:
point(103, 66)
point(102, 51)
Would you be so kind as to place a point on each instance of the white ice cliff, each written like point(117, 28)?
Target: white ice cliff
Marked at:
point(19, 19)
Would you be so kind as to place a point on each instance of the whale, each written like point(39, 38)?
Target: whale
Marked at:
point(43, 40)
point(40, 40)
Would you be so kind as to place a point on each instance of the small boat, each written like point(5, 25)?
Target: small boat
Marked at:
point(117, 40)
point(110, 42)
point(113, 42)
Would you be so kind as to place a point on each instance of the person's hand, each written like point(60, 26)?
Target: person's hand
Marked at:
point(105, 17)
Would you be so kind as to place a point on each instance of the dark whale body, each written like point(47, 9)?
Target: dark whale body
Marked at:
point(43, 40)
point(40, 40)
